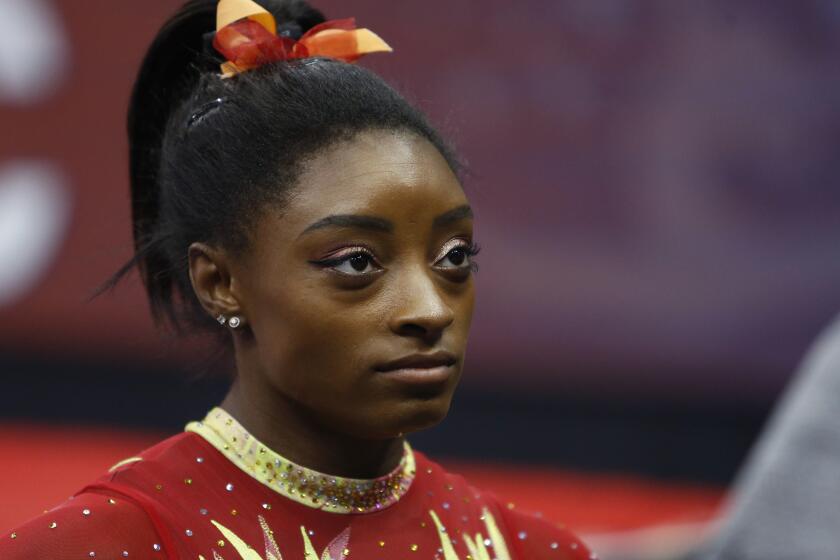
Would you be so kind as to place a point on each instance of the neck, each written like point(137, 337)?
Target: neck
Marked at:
point(295, 433)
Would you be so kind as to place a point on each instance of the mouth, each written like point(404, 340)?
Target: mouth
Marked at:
point(420, 368)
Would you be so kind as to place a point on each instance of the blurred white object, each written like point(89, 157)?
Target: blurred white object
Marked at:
point(33, 51)
point(785, 500)
point(669, 541)
point(35, 210)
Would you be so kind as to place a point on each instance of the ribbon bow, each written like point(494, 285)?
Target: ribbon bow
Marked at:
point(246, 35)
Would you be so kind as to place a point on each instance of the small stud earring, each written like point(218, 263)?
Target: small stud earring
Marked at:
point(221, 319)
point(234, 322)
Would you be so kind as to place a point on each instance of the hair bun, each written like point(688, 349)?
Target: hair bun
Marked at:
point(290, 29)
point(294, 17)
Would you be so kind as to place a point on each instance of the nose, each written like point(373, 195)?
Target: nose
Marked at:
point(421, 310)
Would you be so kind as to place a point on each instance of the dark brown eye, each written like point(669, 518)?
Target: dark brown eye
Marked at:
point(457, 256)
point(460, 257)
point(354, 263)
point(359, 262)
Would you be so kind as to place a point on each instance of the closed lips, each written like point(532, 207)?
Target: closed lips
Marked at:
point(419, 361)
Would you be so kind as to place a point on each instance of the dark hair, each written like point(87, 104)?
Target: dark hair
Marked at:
point(207, 154)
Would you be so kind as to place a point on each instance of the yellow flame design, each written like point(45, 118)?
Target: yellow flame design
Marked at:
point(475, 544)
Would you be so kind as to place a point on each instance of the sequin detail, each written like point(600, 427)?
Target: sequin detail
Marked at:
point(306, 486)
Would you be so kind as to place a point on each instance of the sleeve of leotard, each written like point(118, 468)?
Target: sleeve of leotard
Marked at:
point(88, 525)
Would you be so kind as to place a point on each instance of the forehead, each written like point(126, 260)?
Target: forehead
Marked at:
point(398, 176)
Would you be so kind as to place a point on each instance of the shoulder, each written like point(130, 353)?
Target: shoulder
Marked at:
point(169, 449)
point(537, 538)
point(106, 519)
point(89, 525)
point(528, 535)
point(155, 463)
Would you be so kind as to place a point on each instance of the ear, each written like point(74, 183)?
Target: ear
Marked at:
point(212, 281)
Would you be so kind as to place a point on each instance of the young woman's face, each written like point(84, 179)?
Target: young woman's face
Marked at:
point(367, 264)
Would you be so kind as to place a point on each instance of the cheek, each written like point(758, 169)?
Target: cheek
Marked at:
point(462, 302)
point(467, 305)
point(310, 343)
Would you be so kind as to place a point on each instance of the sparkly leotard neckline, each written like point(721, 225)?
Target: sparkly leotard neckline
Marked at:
point(303, 485)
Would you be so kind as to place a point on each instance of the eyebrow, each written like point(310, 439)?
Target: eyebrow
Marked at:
point(374, 223)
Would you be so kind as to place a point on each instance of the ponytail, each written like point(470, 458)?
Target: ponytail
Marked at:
point(168, 74)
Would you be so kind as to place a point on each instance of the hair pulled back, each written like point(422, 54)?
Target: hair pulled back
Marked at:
point(207, 154)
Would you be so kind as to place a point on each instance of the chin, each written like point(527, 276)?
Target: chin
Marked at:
point(420, 414)
point(397, 414)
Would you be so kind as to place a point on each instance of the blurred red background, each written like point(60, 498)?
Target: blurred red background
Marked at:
point(655, 192)
point(654, 182)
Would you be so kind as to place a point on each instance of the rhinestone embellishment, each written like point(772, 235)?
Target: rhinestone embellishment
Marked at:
point(306, 486)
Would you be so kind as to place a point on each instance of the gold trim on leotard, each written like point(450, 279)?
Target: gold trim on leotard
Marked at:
point(303, 485)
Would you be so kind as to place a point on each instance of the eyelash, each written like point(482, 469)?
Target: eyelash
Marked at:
point(471, 250)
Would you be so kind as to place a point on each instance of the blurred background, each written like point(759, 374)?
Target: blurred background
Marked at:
point(655, 188)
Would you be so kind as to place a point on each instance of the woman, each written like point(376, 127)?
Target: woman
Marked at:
point(296, 204)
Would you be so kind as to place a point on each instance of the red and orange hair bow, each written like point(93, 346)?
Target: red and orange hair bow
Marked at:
point(246, 35)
